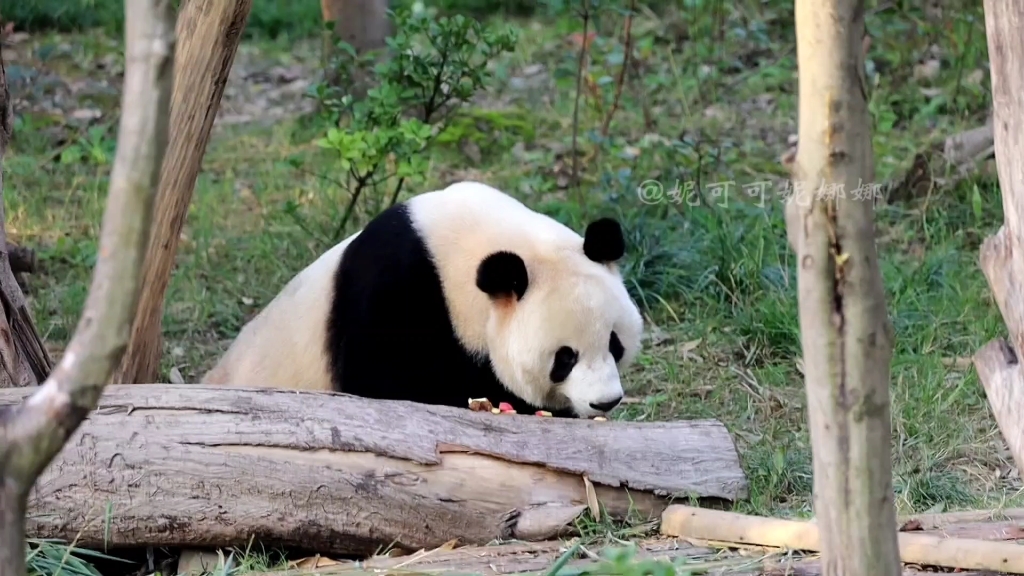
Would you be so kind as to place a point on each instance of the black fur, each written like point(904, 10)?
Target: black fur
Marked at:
point(389, 335)
point(603, 241)
point(502, 274)
point(616, 348)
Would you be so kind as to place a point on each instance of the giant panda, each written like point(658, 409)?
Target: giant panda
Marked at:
point(454, 294)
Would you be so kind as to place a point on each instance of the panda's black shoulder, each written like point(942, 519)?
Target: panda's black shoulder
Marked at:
point(388, 322)
point(391, 233)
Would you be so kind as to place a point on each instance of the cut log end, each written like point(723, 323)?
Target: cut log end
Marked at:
point(999, 371)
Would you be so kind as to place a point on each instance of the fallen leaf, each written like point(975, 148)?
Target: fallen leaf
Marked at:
point(691, 345)
point(576, 39)
point(175, 376)
point(959, 362)
point(592, 503)
point(715, 112)
point(86, 114)
point(910, 526)
point(313, 562)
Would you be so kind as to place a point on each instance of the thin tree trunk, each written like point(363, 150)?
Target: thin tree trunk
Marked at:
point(34, 431)
point(208, 34)
point(845, 331)
point(362, 23)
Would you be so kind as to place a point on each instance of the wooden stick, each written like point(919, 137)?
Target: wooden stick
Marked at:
point(189, 465)
point(925, 549)
point(942, 519)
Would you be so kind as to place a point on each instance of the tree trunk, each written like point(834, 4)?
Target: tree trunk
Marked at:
point(998, 362)
point(195, 466)
point(845, 331)
point(34, 430)
point(208, 34)
point(23, 358)
point(362, 23)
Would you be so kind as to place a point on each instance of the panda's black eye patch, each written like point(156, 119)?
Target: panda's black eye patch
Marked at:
point(565, 360)
point(615, 347)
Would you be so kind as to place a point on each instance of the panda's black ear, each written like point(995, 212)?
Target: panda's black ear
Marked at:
point(603, 241)
point(502, 275)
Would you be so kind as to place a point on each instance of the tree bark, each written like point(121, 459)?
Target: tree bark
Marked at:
point(998, 362)
point(24, 360)
point(845, 332)
point(33, 431)
point(195, 466)
point(208, 34)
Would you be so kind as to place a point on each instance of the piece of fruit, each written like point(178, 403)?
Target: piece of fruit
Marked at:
point(600, 419)
point(543, 413)
point(506, 407)
point(495, 411)
point(480, 404)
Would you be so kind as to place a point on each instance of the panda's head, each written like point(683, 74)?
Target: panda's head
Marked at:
point(561, 323)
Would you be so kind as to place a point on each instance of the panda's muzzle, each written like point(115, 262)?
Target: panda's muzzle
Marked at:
point(606, 406)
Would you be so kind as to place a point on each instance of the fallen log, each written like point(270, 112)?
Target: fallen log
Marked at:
point(198, 466)
point(921, 548)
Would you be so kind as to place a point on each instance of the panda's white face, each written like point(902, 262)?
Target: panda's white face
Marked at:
point(564, 342)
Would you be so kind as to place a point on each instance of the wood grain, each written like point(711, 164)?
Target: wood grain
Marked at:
point(998, 362)
point(209, 466)
point(208, 32)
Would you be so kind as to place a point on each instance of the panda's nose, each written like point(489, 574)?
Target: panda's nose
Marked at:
point(606, 406)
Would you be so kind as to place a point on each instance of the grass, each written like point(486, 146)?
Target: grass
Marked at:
point(713, 101)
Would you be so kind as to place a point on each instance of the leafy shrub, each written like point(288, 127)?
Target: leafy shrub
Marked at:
point(432, 67)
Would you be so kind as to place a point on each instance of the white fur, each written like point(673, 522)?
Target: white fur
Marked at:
point(283, 346)
point(570, 301)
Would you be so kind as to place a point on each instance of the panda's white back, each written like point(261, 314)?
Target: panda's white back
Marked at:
point(283, 345)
